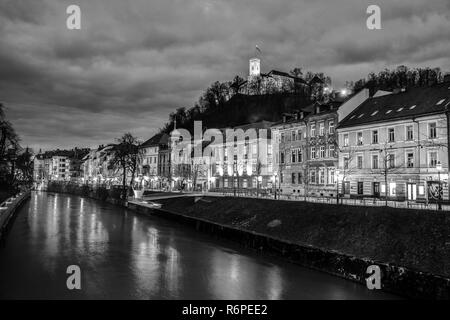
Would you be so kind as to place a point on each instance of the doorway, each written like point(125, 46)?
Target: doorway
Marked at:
point(376, 189)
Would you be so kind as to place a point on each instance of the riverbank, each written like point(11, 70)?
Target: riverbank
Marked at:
point(410, 246)
point(9, 208)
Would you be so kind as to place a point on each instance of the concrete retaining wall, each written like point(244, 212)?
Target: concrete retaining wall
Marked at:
point(9, 207)
point(395, 279)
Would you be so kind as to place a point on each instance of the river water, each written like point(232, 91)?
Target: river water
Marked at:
point(123, 255)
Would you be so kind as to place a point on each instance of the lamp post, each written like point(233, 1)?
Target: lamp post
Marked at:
point(439, 169)
point(275, 174)
point(337, 185)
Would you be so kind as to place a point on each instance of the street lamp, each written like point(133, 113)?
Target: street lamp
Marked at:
point(275, 184)
point(337, 185)
point(439, 169)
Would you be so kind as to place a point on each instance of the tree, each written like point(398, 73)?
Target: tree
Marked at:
point(24, 166)
point(126, 156)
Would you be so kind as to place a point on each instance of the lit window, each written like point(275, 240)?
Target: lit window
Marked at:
point(440, 102)
point(331, 127)
point(321, 128)
point(360, 115)
point(313, 129)
point(389, 111)
point(374, 113)
point(392, 188)
point(399, 109)
point(412, 107)
point(345, 140)
point(360, 138)
point(313, 152)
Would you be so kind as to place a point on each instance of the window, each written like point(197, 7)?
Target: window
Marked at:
point(410, 160)
point(322, 151)
point(293, 178)
point(390, 159)
point(321, 128)
point(331, 176)
point(360, 187)
point(282, 157)
point(392, 189)
point(432, 156)
point(360, 162)
point(331, 151)
point(293, 156)
point(313, 152)
point(345, 140)
point(299, 155)
point(331, 126)
point(299, 134)
point(282, 137)
point(432, 134)
point(375, 161)
point(299, 177)
point(313, 129)
point(312, 176)
point(409, 133)
point(375, 136)
point(294, 135)
point(322, 176)
point(391, 134)
point(360, 138)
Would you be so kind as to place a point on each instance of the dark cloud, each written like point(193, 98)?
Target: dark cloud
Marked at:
point(135, 61)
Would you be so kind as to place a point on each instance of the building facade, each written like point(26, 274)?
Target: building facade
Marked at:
point(307, 151)
point(396, 146)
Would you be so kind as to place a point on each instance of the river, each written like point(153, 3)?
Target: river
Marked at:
point(124, 255)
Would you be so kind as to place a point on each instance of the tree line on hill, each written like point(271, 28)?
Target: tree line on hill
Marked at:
point(221, 104)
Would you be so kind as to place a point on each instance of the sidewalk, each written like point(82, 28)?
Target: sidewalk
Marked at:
point(366, 202)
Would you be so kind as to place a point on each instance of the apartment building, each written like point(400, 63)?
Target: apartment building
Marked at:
point(307, 151)
point(396, 146)
point(153, 152)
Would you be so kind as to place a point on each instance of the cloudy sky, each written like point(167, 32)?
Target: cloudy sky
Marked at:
point(135, 61)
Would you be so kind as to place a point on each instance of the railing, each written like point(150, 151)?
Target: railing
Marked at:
point(366, 202)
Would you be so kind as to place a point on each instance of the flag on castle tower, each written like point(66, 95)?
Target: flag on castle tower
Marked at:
point(257, 49)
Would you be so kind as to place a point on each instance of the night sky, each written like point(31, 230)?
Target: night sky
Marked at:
point(135, 61)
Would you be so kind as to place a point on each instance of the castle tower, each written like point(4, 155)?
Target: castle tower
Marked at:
point(254, 67)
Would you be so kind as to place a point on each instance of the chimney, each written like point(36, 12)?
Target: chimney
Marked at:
point(302, 114)
point(296, 116)
point(284, 118)
point(317, 109)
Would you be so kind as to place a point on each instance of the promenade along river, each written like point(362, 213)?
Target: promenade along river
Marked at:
point(123, 255)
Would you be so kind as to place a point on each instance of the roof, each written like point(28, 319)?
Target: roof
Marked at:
point(411, 103)
point(156, 140)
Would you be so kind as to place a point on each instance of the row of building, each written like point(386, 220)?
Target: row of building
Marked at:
point(390, 144)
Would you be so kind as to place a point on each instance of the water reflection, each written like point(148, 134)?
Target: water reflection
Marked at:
point(124, 255)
